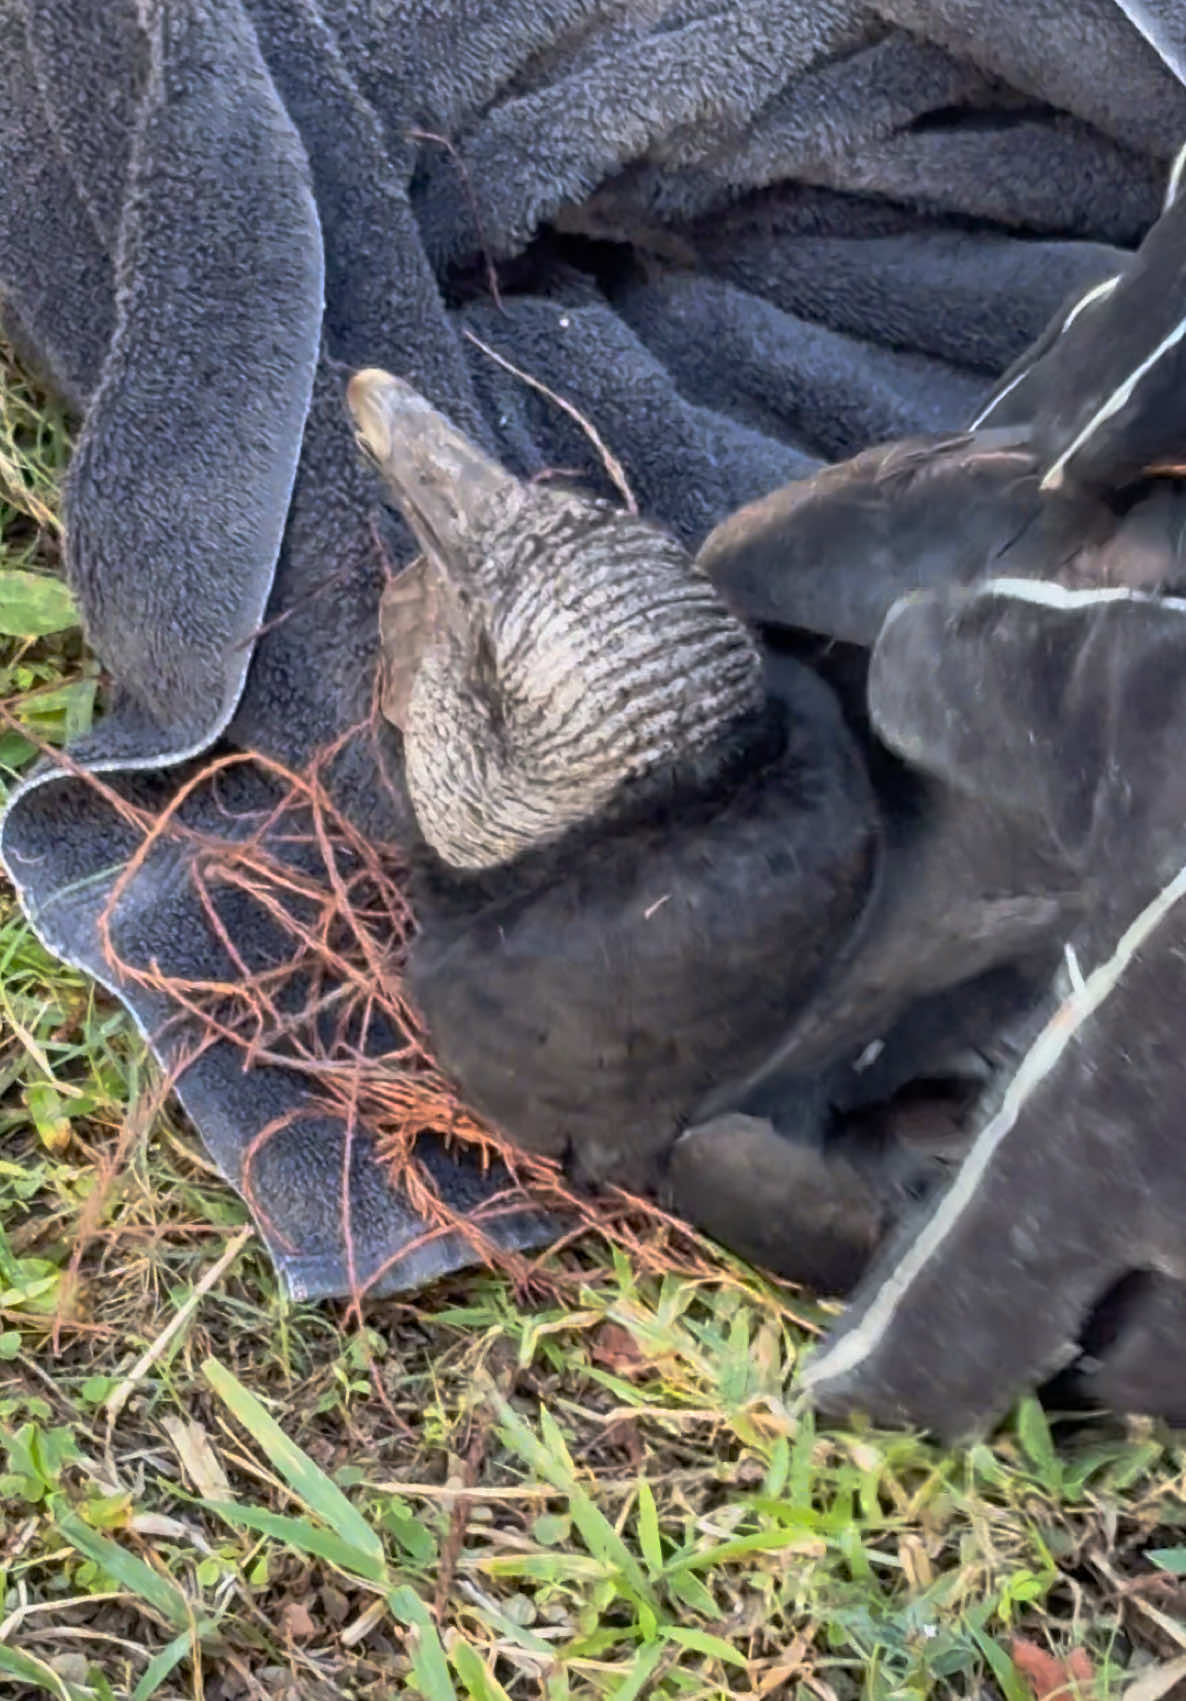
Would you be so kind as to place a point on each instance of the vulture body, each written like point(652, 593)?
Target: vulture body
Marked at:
point(646, 838)
point(671, 931)
point(592, 992)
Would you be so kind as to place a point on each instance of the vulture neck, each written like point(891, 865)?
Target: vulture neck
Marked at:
point(674, 795)
point(603, 658)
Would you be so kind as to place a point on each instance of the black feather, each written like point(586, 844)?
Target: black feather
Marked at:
point(586, 996)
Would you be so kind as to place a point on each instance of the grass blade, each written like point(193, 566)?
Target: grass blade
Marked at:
point(549, 1459)
point(26, 1669)
point(639, 1674)
point(129, 1571)
point(760, 1541)
point(701, 1642)
point(429, 1667)
point(307, 1538)
point(480, 1685)
point(686, 1588)
point(648, 1529)
point(1001, 1666)
point(307, 1480)
point(160, 1666)
point(1037, 1443)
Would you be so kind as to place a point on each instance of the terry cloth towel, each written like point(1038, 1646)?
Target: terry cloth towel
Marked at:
point(740, 238)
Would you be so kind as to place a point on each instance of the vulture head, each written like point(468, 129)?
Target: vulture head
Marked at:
point(544, 651)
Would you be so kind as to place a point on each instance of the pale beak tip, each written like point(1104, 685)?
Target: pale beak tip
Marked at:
point(369, 395)
point(365, 386)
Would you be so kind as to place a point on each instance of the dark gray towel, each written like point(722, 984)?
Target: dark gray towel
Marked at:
point(739, 238)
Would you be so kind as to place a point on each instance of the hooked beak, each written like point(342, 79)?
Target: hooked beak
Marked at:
point(448, 491)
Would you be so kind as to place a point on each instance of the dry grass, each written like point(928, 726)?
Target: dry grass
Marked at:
point(596, 1487)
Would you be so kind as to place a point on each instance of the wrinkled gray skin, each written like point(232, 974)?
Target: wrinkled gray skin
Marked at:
point(530, 685)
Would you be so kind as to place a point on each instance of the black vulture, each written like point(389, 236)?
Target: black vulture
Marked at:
point(647, 839)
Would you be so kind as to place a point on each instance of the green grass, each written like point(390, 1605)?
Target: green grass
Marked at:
point(208, 1491)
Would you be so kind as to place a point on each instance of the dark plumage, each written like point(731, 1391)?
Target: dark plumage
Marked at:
point(1018, 679)
point(1069, 477)
point(604, 944)
point(670, 933)
point(589, 994)
point(1072, 472)
point(831, 554)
